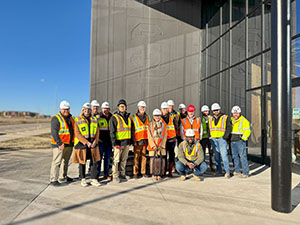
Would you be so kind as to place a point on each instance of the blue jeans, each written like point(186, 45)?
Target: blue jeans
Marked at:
point(239, 152)
point(184, 169)
point(220, 149)
point(105, 150)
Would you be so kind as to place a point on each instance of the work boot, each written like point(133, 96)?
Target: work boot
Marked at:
point(83, 182)
point(95, 183)
point(69, 179)
point(55, 183)
point(170, 169)
point(236, 174)
point(243, 176)
point(227, 175)
point(135, 176)
point(124, 177)
point(182, 177)
point(107, 177)
point(145, 175)
point(154, 178)
point(116, 180)
point(158, 178)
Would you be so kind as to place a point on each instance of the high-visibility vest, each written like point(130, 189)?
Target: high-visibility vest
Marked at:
point(194, 154)
point(204, 128)
point(175, 114)
point(241, 127)
point(171, 133)
point(64, 132)
point(151, 129)
point(140, 128)
point(217, 131)
point(123, 129)
point(195, 126)
point(102, 123)
point(86, 130)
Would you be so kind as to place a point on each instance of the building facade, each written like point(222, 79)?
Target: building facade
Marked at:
point(194, 52)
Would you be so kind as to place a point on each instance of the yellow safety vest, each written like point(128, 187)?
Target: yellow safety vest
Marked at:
point(84, 128)
point(123, 129)
point(103, 124)
point(194, 154)
point(241, 127)
point(140, 128)
point(217, 131)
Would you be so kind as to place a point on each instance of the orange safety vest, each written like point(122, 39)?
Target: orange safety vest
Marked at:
point(64, 132)
point(151, 129)
point(140, 128)
point(195, 126)
point(171, 133)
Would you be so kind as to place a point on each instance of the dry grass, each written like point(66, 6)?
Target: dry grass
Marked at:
point(34, 142)
point(9, 121)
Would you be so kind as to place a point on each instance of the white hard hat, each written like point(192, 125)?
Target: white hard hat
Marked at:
point(86, 105)
point(164, 105)
point(64, 105)
point(142, 104)
point(181, 106)
point(189, 133)
point(204, 108)
point(215, 106)
point(105, 105)
point(170, 103)
point(156, 112)
point(236, 109)
point(95, 103)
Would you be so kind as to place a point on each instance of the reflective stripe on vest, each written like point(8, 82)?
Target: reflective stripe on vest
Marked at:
point(195, 126)
point(237, 128)
point(140, 128)
point(171, 133)
point(86, 130)
point(123, 129)
point(163, 127)
point(194, 154)
point(217, 131)
point(64, 133)
point(103, 124)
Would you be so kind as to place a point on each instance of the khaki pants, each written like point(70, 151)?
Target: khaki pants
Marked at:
point(60, 163)
point(120, 157)
point(139, 152)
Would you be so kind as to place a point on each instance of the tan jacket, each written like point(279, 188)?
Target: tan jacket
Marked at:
point(162, 147)
point(79, 155)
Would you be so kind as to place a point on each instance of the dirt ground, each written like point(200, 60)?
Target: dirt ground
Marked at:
point(7, 121)
point(34, 142)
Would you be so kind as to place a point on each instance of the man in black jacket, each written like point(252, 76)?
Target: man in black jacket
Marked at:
point(62, 142)
point(120, 134)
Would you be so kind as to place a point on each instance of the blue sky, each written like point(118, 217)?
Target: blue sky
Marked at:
point(44, 54)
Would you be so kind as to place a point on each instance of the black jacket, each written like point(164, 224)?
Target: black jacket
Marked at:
point(113, 129)
point(55, 129)
point(105, 135)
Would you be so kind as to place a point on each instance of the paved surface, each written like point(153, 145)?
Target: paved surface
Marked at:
point(10, 132)
point(26, 198)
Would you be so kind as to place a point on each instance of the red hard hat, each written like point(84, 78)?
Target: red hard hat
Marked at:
point(191, 108)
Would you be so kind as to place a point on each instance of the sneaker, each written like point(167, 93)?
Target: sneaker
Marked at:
point(116, 180)
point(236, 174)
point(158, 178)
point(227, 175)
point(55, 183)
point(182, 178)
point(135, 176)
point(198, 178)
point(107, 177)
point(62, 180)
point(243, 176)
point(83, 182)
point(154, 178)
point(95, 183)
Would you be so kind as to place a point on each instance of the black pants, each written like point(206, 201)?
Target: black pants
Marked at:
point(170, 148)
point(93, 166)
point(205, 143)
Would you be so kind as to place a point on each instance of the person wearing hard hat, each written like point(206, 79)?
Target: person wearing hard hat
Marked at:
point(191, 122)
point(219, 132)
point(62, 142)
point(239, 136)
point(175, 115)
point(105, 145)
point(191, 157)
point(182, 115)
point(120, 134)
point(205, 142)
point(171, 125)
point(86, 144)
point(157, 138)
point(140, 122)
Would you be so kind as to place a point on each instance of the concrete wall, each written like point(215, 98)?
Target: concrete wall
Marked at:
point(139, 53)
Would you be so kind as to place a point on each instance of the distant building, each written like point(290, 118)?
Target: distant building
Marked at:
point(22, 114)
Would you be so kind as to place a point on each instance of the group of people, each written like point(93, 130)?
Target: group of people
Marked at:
point(95, 135)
